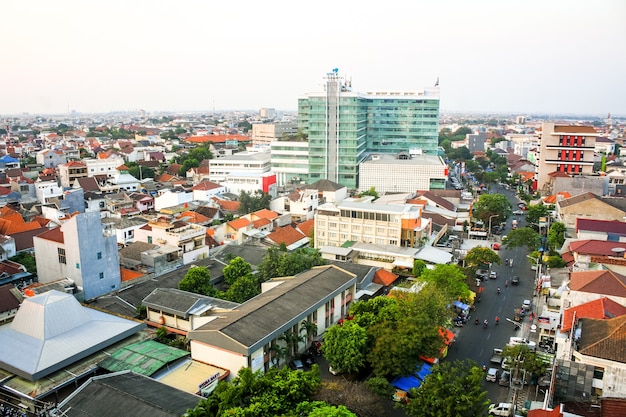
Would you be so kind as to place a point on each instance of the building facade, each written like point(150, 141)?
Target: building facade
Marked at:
point(82, 250)
point(402, 173)
point(343, 126)
point(270, 132)
point(567, 149)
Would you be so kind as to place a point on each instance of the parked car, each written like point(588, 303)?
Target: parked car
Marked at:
point(505, 379)
point(495, 246)
point(515, 280)
point(501, 409)
point(482, 273)
point(296, 365)
point(493, 275)
point(518, 212)
point(492, 375)
point(526, 305)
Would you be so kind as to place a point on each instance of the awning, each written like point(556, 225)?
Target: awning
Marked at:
point(460, 305)
point(405, 383)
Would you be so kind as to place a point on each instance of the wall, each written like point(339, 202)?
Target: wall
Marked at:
point(218, 357)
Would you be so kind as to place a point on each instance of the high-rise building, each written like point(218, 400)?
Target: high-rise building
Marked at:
point(343, 127)
point(565, 149)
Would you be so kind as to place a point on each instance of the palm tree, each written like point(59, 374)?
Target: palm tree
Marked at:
point(277, 352)
point(309, 328)
point(291, 339)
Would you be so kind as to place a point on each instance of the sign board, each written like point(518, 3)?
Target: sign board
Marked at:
point(206, 387)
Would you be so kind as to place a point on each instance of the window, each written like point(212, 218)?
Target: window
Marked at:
point(77, 265)
point(99, 255)
point(101, 275)
point(61, 254)
point(149, 239)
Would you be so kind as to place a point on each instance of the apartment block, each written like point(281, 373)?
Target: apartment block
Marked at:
point(402, 173)
point(359, 220)
point(564, 149)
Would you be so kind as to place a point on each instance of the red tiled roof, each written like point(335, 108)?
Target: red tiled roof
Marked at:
point(165, 178)
point(76, 164)
point(227, 205)
point(568, 258)
point(206, 185)
point(603, 282)
point(306, 227)
point(56, 235)
point(596, 247)
point(122, 168)
point(287, 235)
point(265, 214)
point(173, 169)
point(602, 308)
point(384, 277)
point(556, 412)
point(239, 223)
point(192, 217)
point(129, 275)
point(552, 199)
point(260, 223)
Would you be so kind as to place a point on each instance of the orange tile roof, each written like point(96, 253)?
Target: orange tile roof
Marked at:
point(206, 185)
point(56, 235)
point(265, 214)
point(384, 277)
point(192, 217)
point(260, 223)
point(552, 199)
point(129, 275)
point(287, 235)
point(122, 168)
point(165, 178)
point(227, 205)
point(603, 282)
point(602, 308)
point(306, 227)
point(239, 223)
point(556, 412)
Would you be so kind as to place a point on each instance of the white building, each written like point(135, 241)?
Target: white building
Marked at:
point(107, 166)
point(239, 163)
point(170, 198)
point(301, 204)
point(47, 190)
point(403, 173)
point(189, 238)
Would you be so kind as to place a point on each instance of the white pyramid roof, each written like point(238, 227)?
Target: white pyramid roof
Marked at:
point(53, 330)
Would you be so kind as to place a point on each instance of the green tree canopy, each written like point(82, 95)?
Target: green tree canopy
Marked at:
point(449, 280)
point(197, 280)
point(479, 256)
point(375, 310)
point(452, 389)
point(556, 236)
point(492, 205)
point(536, 211)
point(250, 202)
point(418, 267)
point(139, 171)
point(344, 346)
point(237, 267)
point(243, 289)
point(522, 237)
point(26, 259)
point(371, 192)
point(277, 263)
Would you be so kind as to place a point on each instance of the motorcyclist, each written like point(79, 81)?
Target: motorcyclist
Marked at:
point(506, 283)
point(498, 290)
point(497, 320)
point(485, 323)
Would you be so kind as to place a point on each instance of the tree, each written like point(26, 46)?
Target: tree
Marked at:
point(250, 202)
point(490, 205)
point(139, 171)
point(480, 256)
point(278, 263)
point(375, 310)
point(371, 192)
point(556, 236)
point(26, 259)
point(452, 389)
point(522, 237)
point(380, 386)
point(418, 267)
point(536, 211)
point(197, 280)
point(243, 289)
point(449, 280)
point(237, 267)
point(344, 346)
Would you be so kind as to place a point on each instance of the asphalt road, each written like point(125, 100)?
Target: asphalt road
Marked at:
point(474, 341)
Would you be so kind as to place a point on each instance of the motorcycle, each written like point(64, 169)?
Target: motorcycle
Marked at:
point(485, 324)
point(476, 322)
point(458, 323)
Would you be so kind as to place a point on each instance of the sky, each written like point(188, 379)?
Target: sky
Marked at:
point(501, 56)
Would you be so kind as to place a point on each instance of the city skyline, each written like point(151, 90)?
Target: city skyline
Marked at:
point(559, 57)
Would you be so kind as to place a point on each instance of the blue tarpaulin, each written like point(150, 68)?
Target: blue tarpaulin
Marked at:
point(425, 370)
point(460, 305)
point(405, 383)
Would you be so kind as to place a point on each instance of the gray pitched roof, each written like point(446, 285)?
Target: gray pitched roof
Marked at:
point(126, 393)
point(184, 303)
point(52, 330)
point(273, 312)
point(323, 185)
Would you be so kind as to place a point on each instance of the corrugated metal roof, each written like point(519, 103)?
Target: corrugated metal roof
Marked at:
point(143, 358)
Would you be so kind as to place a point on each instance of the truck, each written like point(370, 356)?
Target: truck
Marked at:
point(496, 356)
point(514, 224)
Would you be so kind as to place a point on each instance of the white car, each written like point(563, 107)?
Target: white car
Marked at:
point(521, 341)
point(492, 375)
point(493, 275)
point(518, 212)
point(501, 409)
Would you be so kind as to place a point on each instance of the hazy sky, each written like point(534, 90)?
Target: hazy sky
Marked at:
point(553, 56)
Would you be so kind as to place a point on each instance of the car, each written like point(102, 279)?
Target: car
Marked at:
point(501, 409)
point(482, 273)
point(522, 341)
point(492, 375)
point(296, 365)
point(495, 246)
point(307, 360)
point(526, 305)
point(493, 275)
point(505, 379)
point(518, 212)
point(521, 205)
point(515, 280)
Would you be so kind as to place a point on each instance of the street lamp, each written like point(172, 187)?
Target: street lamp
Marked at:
point(491, 217)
